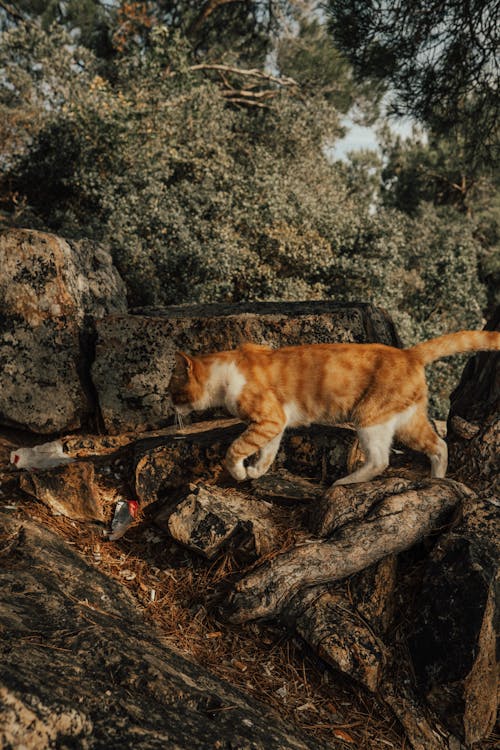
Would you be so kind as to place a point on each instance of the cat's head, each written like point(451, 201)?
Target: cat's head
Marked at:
point(187, 384)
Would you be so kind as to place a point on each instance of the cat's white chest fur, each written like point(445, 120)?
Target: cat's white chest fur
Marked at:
point(224, 386)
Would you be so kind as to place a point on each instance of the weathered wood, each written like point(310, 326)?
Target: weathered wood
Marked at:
point(210, 517)
point(332, 626)
point(285, 487)
point(344, 504)
point(453, 633)
point(371, 592)
point(396, 523)
point(422, 727)
point(477, 396)
point(474, 420)
point(474, 453)
point(344, 624)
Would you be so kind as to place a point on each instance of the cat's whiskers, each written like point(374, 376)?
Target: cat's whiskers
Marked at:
point(179, 420)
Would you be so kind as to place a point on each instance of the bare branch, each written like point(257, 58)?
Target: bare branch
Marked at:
point(252, 72)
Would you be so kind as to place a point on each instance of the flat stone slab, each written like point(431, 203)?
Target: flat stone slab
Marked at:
point(135, 353)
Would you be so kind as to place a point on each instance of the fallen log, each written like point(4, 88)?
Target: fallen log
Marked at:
point(344, 624)
point(344, 504)
point(396, 522)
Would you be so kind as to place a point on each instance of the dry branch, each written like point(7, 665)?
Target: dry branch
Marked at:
point(247, 72)
point(247, 95)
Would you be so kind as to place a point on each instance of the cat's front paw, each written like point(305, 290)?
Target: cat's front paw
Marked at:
point(238, 471)
point(256, 471)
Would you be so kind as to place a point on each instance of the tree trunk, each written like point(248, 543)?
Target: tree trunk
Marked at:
point(474, 420)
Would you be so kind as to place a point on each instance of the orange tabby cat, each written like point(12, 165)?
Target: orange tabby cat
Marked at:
point(379, 388)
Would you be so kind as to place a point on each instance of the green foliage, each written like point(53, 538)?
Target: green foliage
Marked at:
point(435, 170)
point(202, 201)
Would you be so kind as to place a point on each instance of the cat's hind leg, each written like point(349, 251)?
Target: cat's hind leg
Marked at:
point(376, 443)
point(419, 435)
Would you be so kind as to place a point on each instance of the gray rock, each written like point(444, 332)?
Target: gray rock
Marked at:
point(50, 290)
point(81, 668)
point(454, 633)
point(135, 353)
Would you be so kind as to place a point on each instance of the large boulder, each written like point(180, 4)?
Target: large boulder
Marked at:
point(50, 290)
point(81, 668)
point(135, 353)
point(454, 632)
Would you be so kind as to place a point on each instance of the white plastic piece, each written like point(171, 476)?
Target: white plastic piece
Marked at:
point(44, 456)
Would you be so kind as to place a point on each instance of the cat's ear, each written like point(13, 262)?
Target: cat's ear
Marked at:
point(183, 365)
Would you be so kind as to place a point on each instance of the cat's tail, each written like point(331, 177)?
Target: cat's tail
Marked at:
point(456, 343)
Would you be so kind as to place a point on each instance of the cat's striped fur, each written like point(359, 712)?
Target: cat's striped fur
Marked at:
point(379, 388)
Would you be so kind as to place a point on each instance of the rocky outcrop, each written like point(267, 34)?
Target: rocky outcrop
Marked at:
point(454, 632)
point(55, 293)
point(393, 583)
point(135, 353)
point(80, 667)
point(50, 291)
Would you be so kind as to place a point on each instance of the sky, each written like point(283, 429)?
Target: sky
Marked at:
point(359, 137)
